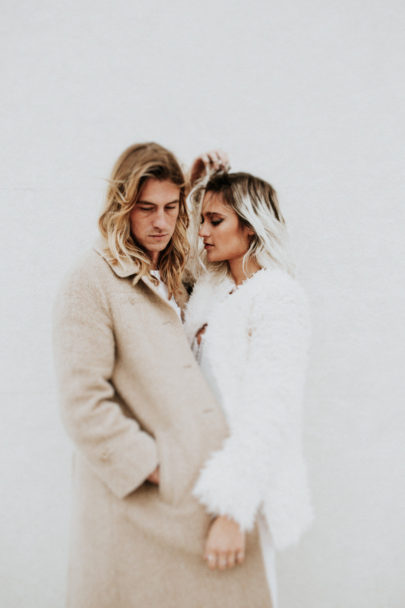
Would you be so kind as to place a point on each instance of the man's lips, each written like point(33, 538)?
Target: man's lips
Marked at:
point(208, 245)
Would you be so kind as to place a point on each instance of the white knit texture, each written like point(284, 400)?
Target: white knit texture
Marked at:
point(256, 340)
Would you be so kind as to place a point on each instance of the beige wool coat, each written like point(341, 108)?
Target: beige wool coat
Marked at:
point(132, 397)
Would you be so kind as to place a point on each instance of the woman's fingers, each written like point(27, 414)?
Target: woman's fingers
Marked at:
point(217, 159)
point(222, 159)
point(231, 559)
point(214, 160)
point(212, 560)
point(224, 560)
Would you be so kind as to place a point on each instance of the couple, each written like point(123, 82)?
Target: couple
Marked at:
point(188, 471)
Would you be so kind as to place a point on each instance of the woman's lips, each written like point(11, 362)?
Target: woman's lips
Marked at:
point(158, 236)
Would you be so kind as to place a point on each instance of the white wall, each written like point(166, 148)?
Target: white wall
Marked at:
point(308, 95)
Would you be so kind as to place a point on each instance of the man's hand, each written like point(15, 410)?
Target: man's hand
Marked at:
point(214, 160)
point(225, 544)
point(154, 477)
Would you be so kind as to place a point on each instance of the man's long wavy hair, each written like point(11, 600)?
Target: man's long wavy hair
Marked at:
point(136, 164)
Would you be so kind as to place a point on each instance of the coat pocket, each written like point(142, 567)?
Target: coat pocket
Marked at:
point(177, 471)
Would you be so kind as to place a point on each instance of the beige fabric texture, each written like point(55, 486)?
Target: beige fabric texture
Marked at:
point(132, 396)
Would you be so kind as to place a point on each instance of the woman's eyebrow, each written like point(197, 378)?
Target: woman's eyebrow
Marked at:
point(211, 213)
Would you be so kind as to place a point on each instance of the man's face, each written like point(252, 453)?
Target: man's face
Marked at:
point(153, 219)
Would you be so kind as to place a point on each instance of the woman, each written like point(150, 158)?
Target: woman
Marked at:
point(137, 408)
point(247, 322)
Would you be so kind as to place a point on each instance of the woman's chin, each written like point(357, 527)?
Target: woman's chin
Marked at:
point(213, 258)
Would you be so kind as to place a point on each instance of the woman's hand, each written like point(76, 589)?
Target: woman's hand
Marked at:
point(200, 332)
point(154, 477)
point(214, 160)
point(225, 544)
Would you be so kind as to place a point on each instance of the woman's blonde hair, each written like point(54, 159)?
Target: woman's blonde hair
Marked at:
point(136, 164)
point(256, 205)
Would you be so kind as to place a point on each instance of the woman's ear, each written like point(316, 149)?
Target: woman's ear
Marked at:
point(248, 230)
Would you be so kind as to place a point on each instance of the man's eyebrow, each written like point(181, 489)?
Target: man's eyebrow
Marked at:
point(149, 203)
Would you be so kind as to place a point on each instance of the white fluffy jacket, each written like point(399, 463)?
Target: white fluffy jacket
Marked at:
point(256, 343)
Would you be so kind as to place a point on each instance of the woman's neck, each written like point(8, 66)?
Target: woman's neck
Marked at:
point(241, 272)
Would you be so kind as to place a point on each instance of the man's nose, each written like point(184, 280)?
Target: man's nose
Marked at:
point(160, 220)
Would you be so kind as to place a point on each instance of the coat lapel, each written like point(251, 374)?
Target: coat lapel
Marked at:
point(127, 268)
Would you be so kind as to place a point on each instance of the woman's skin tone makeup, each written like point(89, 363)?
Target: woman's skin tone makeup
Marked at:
point(225, 238)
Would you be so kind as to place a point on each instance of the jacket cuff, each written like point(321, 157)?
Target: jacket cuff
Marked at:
point(224, 489)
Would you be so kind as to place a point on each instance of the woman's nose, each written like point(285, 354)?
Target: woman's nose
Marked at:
point(203, 232)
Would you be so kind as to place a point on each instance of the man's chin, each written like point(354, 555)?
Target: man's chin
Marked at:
point(158, 247)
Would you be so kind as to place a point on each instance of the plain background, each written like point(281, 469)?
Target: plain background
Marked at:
point(307, 94)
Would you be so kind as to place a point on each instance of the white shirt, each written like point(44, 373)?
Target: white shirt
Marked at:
point(162, 289)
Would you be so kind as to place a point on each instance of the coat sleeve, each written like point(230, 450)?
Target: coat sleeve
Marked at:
point(115, 446)
point(266, 419)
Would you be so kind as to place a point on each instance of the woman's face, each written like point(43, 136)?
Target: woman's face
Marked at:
point(225, 239)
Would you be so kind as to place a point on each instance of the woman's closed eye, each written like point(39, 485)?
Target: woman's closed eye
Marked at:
point(213, 222)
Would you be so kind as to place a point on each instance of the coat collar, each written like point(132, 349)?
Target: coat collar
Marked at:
point(123, 268)
point(128, 268)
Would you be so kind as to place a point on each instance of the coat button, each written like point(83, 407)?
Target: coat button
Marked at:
point(105, 455)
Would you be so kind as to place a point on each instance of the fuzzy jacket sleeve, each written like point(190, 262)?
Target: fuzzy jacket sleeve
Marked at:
point(266, 419)
point(119, 452)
